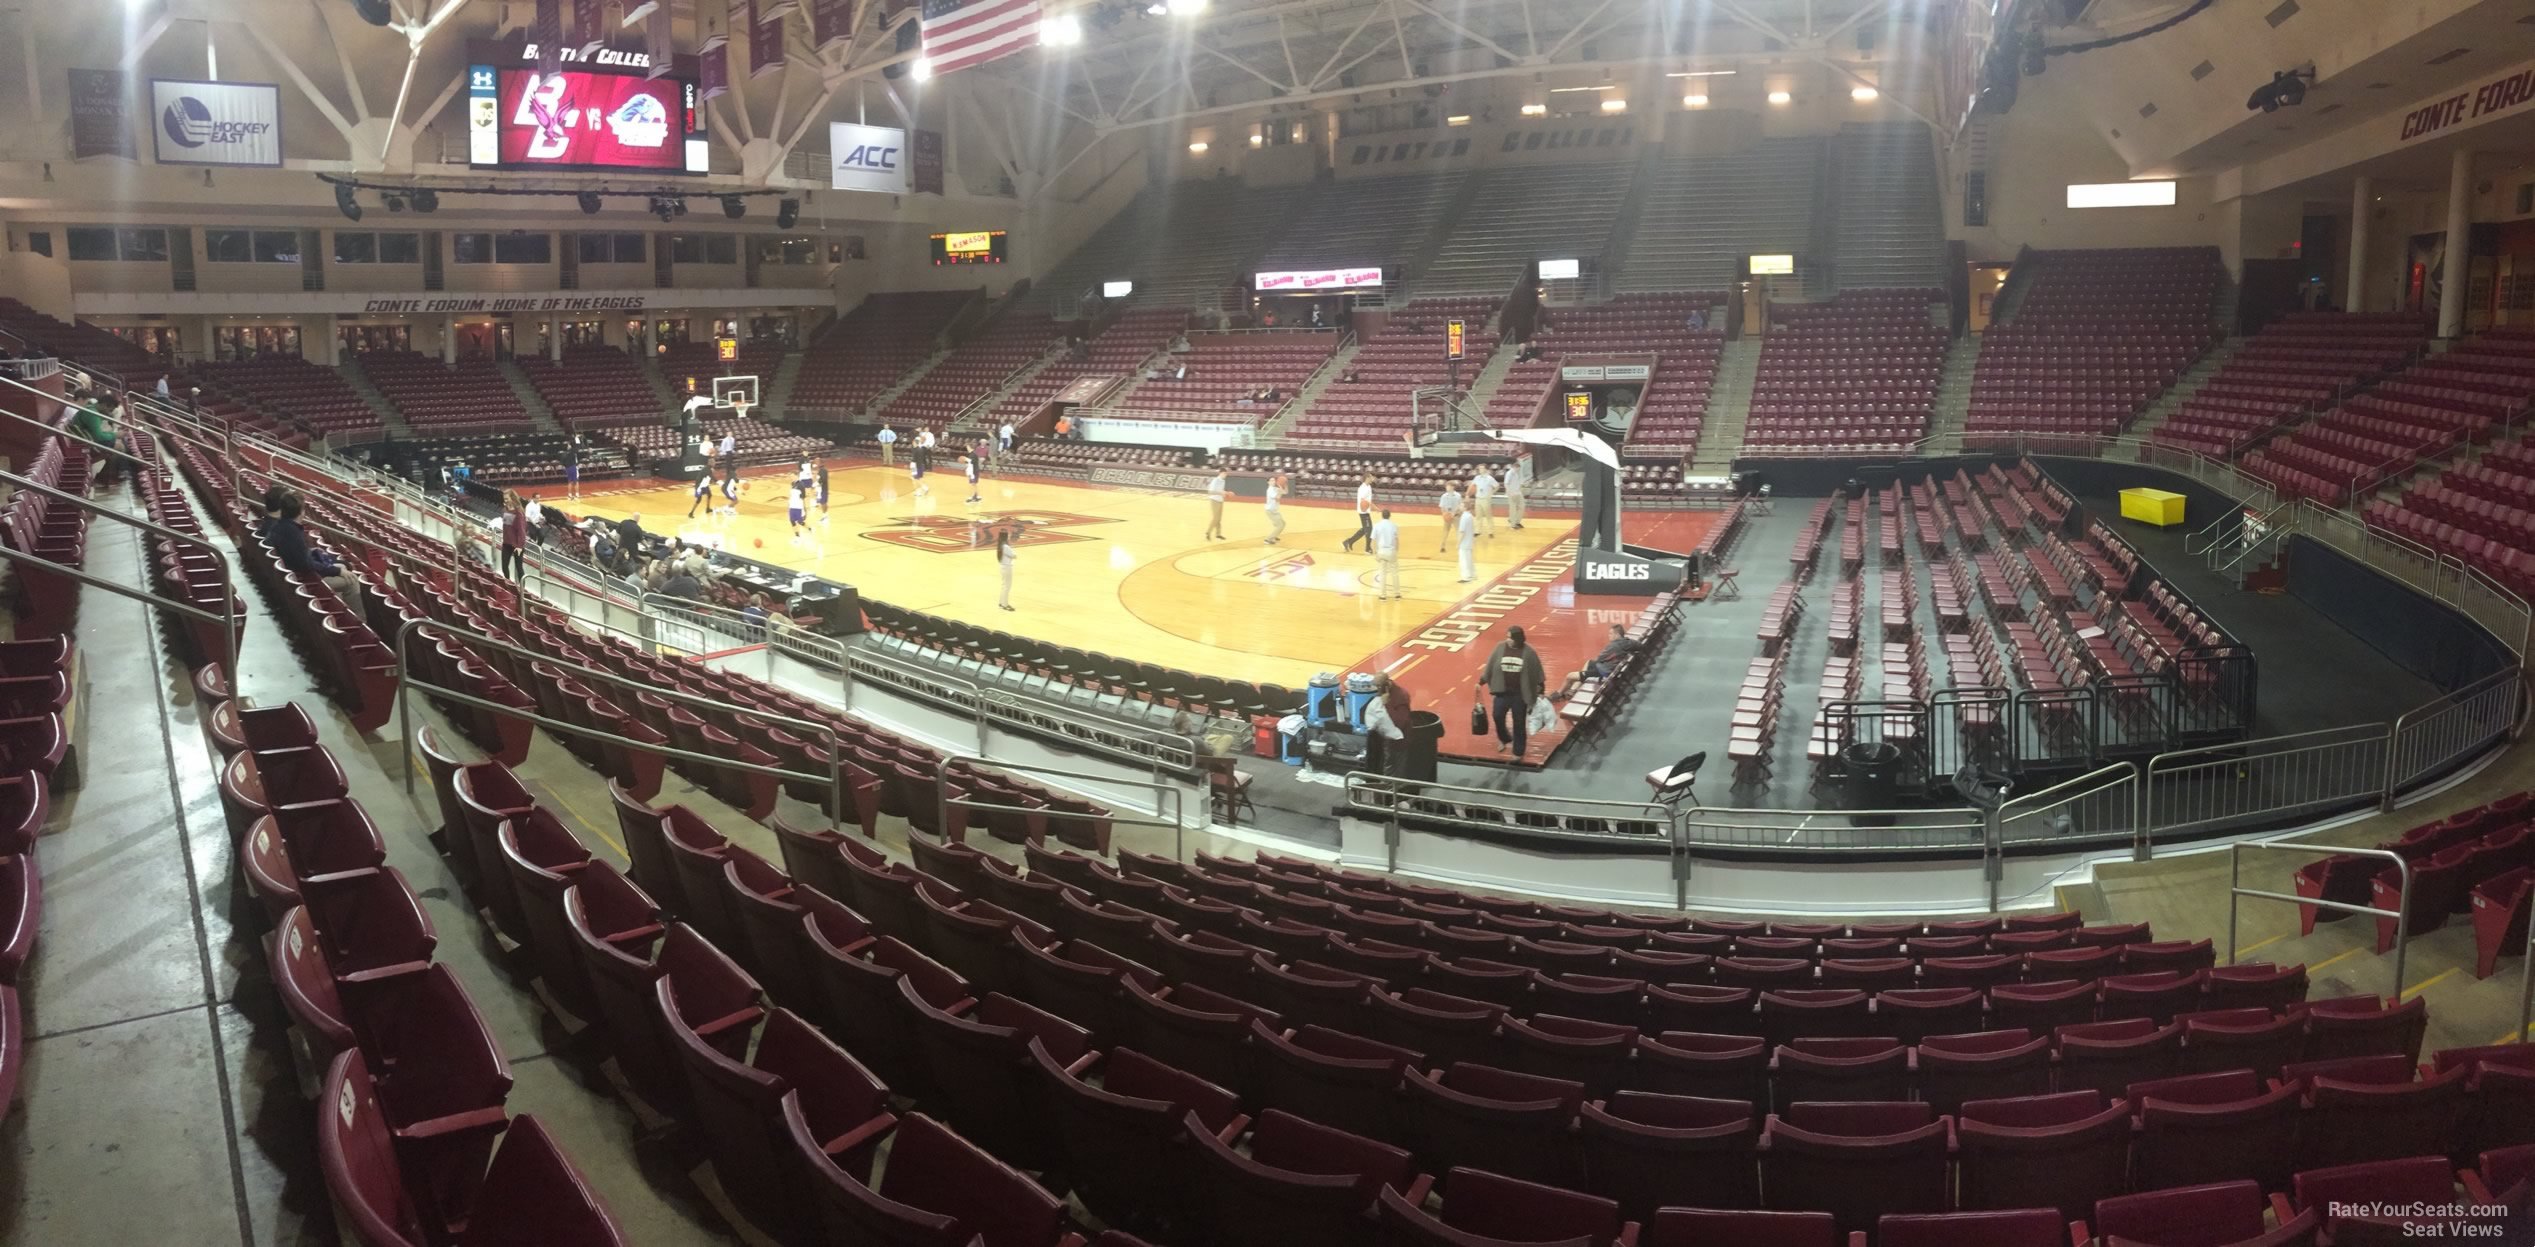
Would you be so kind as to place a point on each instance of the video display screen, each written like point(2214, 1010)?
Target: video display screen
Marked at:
point(521, 118)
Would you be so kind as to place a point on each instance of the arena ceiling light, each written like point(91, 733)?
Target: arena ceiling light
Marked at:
point(1864, 95)
point(1615, 106)
point(1694, 100)
point(787, 211)
point(1065, 30)
point(590, 202)
point(1185, 8)
point(1535, 110)
point(1700, 73)
point(921, 69)
point(1782, 98)
point(1564, 90)
point(734, 207)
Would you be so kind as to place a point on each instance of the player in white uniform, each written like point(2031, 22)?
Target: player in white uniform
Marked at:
point(1386, 557)
point(797, 506)
point(1469, 546)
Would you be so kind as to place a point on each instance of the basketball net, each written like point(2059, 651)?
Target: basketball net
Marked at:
point(739, 408)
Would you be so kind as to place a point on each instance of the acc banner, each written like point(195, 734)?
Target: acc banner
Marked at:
point(100, 118)
point(216, 123)
point(867, 158)
point(928, 162)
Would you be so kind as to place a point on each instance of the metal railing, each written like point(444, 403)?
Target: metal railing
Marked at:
point(2099, 807)
point(2429, 738)
point(2401, 913)
point(1176, 820)
point(406, 686)
point(2247, 782)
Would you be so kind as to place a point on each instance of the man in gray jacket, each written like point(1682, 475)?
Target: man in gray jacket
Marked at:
point(1514, 679)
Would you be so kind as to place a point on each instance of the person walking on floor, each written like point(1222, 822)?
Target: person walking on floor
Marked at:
point(514, 537)
point(572, 467)
point(888, 446)
point(1275, 508)
point(1386, 557)
point(1004, 556)
point(730, 491)
point(822, 480)
point(969, 464)
point(1469, 546)
point(915, 472)
point(1003, 439)
point(1483, 499)
point(1517, 474)
point(1449, 504)
point(1364, 516)
point(1514, 679)
point(1214, 505)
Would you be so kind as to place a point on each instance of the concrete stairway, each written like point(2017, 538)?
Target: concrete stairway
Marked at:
point(2173, 399)
point(1729, 405)
point(352, 375)
point(1274, 431)
point(671, 402)
point(1491, 378)
point(777, 397)
point(1953, 396)
point(539, 414)
point(880, 402)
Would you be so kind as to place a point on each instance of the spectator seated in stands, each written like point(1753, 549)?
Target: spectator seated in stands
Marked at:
point(1621, 646)
point(290, 545)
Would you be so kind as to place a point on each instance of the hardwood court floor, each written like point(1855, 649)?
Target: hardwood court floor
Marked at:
point(1119, 571)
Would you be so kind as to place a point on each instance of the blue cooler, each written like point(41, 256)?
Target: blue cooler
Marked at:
point(1290, 732)
point(1359, 695)
point(1320, 698)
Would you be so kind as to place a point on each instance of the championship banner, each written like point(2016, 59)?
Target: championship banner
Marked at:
point(661, 40)
point(589, 24)
point(100, 114)
point(928, 162)
point(866, 158)
point(712, 73)
point(216, 123)
point(765, 42)
point(831, 22)
point(548, 34)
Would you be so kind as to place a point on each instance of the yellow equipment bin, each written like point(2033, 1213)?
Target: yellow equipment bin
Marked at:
point(2152, 506)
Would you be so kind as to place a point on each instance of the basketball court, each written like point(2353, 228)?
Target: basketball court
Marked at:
point(1127, 572)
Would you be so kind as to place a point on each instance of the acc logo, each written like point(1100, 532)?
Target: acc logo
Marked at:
point(1618, 571)
point(870, 156)
point(188, 123)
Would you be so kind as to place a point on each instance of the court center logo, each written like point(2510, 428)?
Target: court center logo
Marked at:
point(958, 534)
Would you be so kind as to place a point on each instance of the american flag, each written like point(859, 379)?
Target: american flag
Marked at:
point(961, 33)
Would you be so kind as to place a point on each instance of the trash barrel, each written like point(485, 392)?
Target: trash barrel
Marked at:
point(1872, 770)
point(1413, 756)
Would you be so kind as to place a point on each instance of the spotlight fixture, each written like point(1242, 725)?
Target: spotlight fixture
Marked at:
point(921, 69)
point(734, 207)
point(345, 201)
point(1782, 98)
point(395, 203)
point(662, 208)
point(2286, 89)
point(1186, 8)
point(1863, 95)
point(590, 202)
point(1065, 30)
point(787, 211)
point(1197, 148)
point(1694, 100)
point(426, 199)
point(375, 12)
point(678, 205)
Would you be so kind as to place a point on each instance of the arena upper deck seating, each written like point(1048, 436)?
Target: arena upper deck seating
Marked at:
point(594, 387)
point(1707, 215)
point(1519, 215)
point(1366, 222)
point(1224, 369)
point(471, 396)
point(1182, 244)
point(2097, 336)
point(1857, 373)
point(1405, 355)
point(294, 389)
point(856, 356)
point(2302, 362)
point(1671, 409)
point(973, 369)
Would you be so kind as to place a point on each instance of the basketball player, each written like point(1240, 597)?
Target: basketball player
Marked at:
point(1483, 499)
point(822, 480)
point(703, 491)
point(1214, 505)
point(969, 463)
point(915, 471)
point(1449, 503)
point(1275, 508)
point(1004, 555)
point(730, 491)
point(1385, 542)
point(801, 477)
point(1517, 474)
point(796, 505)
point(1364, 517)
point(571, 465)
point(1469, 546)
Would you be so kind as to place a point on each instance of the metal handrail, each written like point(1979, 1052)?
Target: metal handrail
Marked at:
point(943, 800)
point(2400, 914)
point(2501, 678)
point(835, 778)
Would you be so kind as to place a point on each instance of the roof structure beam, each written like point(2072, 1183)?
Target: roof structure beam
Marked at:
point(1577, 31)
point(299, 78)
point(1246, 68)
point(1467, 33)
point(1370, 12)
